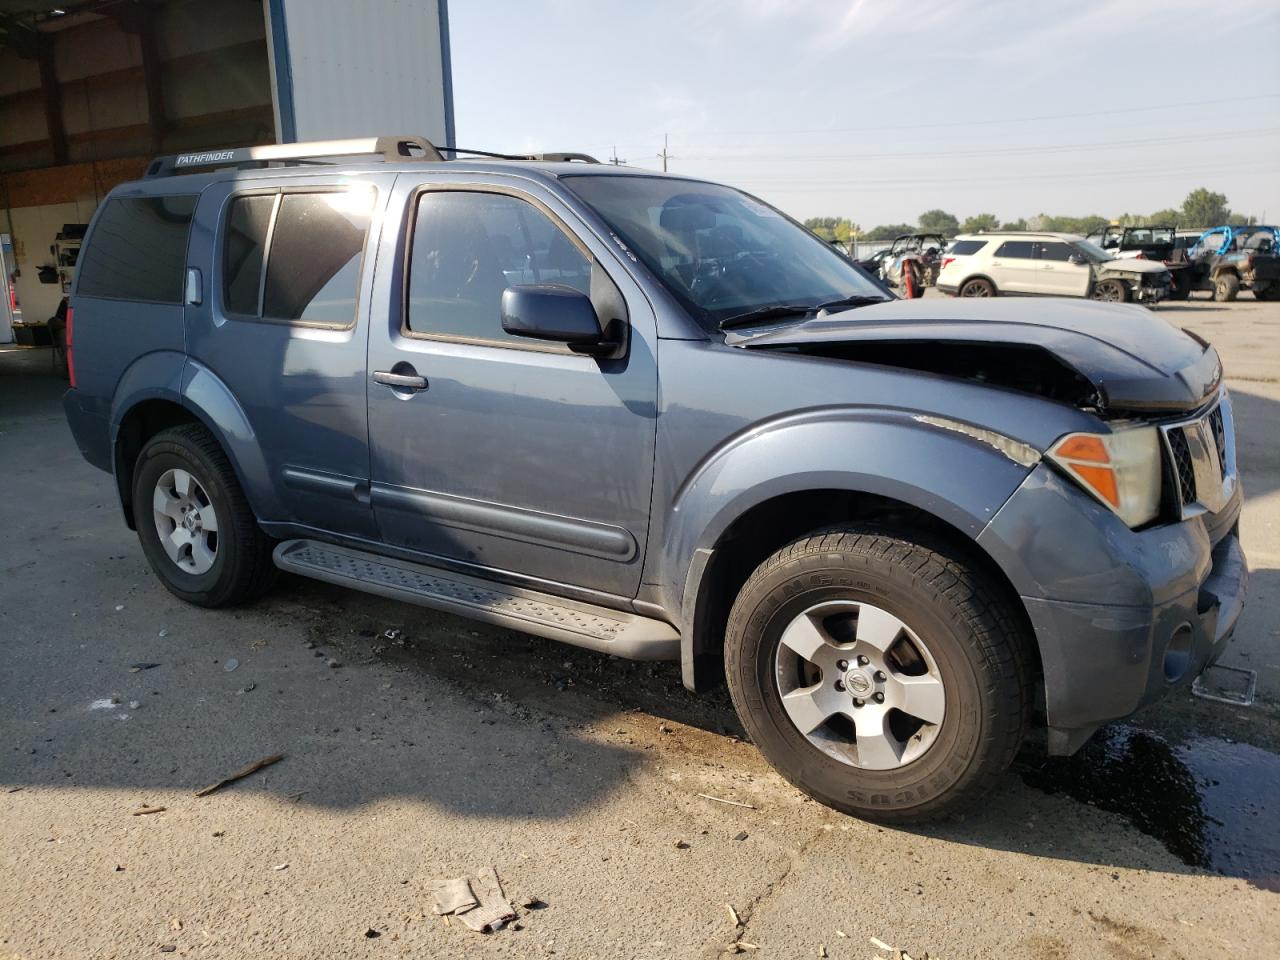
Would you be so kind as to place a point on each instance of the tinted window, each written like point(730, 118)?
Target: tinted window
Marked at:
point(314, 265)
point(965, 248)
point(1054, 251)
point(1019, 249)
point(469, 247)
point(242, 252)
point(138, 250)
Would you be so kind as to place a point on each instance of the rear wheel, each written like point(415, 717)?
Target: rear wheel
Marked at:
point(880, 673)
point(978, 287)
point(1226, 287)
point(1111, 291)
point(195, 525)
point(1180, 289)
point(1271, 292)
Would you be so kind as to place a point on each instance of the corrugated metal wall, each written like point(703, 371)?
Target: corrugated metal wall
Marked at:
point(361, 69)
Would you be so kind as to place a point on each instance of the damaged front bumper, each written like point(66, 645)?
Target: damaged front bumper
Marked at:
point(1121, 617)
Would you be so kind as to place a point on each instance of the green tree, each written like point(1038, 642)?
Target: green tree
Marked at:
point(1204, 208)
point(979, 223)
point(833, 228)
point(889, 231)
point(1019, 224)
point(1164, 218)
point(939, 221)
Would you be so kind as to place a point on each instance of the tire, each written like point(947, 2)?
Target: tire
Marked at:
point(1269, 293)
point(219, 567)
point(1226, 287)
point(1111, 291)
point(977, 287)
point(974, 649)
point(1180, 289)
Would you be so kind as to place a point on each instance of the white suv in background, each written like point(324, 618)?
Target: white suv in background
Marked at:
point(1047, 264)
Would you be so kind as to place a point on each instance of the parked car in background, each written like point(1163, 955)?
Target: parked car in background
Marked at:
point(873, 263)
point(657, 418)
point(1149, 243)
point(917, 254)
point(1226, 260)
point(1048, 264)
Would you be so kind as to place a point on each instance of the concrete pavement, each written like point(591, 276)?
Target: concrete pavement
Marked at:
point(574, 774)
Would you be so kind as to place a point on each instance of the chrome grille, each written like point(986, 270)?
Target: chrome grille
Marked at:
point(1201, 453)
point(1182, 467)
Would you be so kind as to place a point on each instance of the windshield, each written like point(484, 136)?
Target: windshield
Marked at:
point(721, 252)
point(1091, 251)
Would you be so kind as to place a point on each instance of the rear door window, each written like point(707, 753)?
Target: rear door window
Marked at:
point(965, 248)
point(1017, 249)
point(244, 246)
point(310, 246)
point(138, 250)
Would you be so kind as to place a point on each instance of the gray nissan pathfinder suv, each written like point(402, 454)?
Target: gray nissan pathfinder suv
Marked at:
point(655, 417)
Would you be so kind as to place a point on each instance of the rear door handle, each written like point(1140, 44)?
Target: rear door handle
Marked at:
point(404, 381)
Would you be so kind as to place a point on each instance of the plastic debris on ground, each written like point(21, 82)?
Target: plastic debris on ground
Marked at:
point(478, 902)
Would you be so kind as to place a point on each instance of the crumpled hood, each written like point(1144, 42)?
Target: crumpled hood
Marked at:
point(1134, 358)
point(1133, 265)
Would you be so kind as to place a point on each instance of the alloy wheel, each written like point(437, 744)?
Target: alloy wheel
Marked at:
point(860, 685)
point(186, 521)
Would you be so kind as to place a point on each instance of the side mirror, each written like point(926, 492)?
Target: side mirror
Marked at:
point(552, 311)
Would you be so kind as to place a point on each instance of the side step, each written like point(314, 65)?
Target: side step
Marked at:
point(582, 624)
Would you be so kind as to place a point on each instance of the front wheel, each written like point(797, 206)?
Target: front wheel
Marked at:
point(1226, 287)
point(879, 673)
point(1111, 291)
point(195, 525)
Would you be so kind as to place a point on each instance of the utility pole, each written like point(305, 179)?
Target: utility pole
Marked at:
point(664, 156)
point(614, 159)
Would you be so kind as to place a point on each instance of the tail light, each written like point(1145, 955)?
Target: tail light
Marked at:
point(71, 357)
point(946, 261)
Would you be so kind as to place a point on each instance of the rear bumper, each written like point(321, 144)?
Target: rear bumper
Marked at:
point(91, 431)
point(948, 288)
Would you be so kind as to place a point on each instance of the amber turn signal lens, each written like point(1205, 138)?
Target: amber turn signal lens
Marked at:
point(1083, 446)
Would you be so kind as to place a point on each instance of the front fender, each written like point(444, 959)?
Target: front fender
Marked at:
point(958, 473)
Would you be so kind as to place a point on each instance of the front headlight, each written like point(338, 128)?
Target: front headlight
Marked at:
point(1121, 469)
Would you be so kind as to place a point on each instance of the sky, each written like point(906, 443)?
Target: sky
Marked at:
point(878, 110)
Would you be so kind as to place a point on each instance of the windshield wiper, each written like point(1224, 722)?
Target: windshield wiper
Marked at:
point(780, 310)
point(760, 314)
point(857, 300)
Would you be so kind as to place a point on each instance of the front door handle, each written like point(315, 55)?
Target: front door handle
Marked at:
point(402, 381)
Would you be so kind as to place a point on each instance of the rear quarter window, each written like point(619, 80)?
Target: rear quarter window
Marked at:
point(965, 248)
point(137, 250)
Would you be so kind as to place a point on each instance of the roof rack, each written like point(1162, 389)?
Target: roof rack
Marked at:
point(389, 148)
point(321, 151)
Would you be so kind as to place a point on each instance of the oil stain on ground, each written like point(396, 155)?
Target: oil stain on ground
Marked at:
point(1214, 803)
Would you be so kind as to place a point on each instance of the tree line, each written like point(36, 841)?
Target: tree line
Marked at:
point(1201, 209)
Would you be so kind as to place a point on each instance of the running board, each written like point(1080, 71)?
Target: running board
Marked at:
point(622, 634)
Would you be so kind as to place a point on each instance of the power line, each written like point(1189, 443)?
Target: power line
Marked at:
point(613, 159)
point(994, 151)
point(1162, 107)
point(1100, 176)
